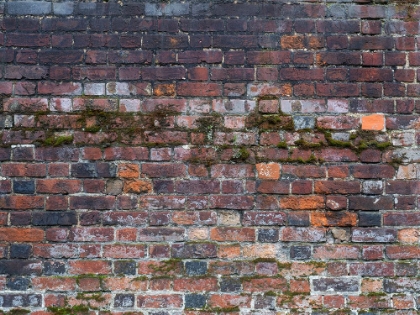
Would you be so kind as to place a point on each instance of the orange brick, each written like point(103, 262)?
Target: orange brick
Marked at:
point(292, 42)
point(373, 122)
point(128, 170)
point(137, 186)
point(229, 251)
point(333, 219)
point(302, 202)
point(268, 170)
point(164, 90)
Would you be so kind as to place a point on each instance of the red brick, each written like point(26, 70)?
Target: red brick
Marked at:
point(333, 219)
point(301, 234)
point(124, 251)
point(229, 300)
point(195, 285)
point(54, 284)
point(159, 301)
point(80, 267)
point(58, 186)
point(199, 89)
point(302, 202)
point(15, 202)
point(89, 234)
point(232, 234)
point(264, 285)
point(327, 252)
point(10, 234)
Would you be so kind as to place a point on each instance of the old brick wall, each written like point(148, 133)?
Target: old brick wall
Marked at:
point(216, 157)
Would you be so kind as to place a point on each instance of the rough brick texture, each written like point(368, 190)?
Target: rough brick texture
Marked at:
point(210, 157)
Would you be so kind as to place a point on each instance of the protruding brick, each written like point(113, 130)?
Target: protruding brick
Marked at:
point(373, 122)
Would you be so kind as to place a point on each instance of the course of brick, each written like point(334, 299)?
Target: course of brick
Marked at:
point(210, 157)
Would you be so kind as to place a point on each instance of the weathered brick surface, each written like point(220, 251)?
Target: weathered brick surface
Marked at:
point(209, 157)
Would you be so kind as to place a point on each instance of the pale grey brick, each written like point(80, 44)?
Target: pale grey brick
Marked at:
point(29, 7)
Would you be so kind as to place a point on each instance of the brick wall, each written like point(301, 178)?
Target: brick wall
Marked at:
point(210, 157)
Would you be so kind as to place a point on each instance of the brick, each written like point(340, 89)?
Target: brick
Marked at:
point(54, 218)
point(370, 203)
point(230, 234)
point(194, 250)
point(268, 170)
point(159, 301)
point(87, 234)
point(301, 234)
point(302, 202)
point(232, 202)
point(336, 252)
point(373, 122)
point(21, 267)
point(199, 89)
point(401, 219)
point(379, 235)
point(89, 267)
point(373, 171)
point(124, 251)
point(337, 187)
point(369, 219)
point(333, 219)
point(402, 252)
point(158, 234)
point(263, 218)
point(345, 284)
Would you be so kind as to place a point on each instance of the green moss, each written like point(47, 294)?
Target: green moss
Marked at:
point(282, 145)
point(166, 265)
point(98, 297)
point(139, 278)
point(282, 265)
point(67, 310)
point(287, 296)
point(376, 294)
point(223, 309)
point(54, 141)
point(209, 124)
point(317, 264)
point(270, 293)
point(93, 129)
point(311, 159)
point(383, 145)
point(336, 143)
point(240, 154)
point(257, 260)
point(303, 144)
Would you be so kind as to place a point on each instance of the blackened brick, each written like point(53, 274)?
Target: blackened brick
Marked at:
point(54, 218)
point(298, 219)
point(369, 219)
point(24, 186)
point(347, 284)
point(20, 251)
point(195, 301)
point(84, 170)
point(20, 267)
point(54, 268)
point(268, 235)
point(300, 252)
point(230, 284)
point(25, 300)
point(20, 218)
point(18, 283)
point(124, 300)
point(125, 267)
point(196, 268)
